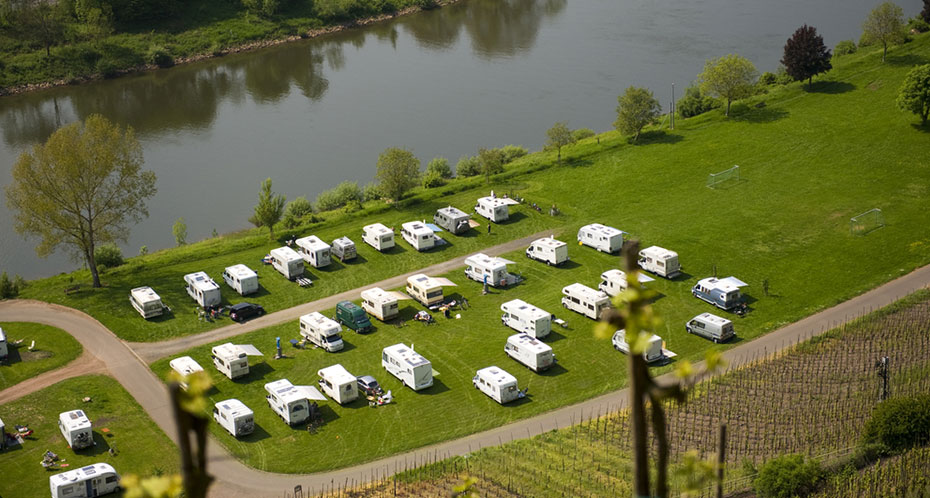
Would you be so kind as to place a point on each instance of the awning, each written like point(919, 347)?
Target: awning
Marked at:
point(445, 282)
point(506, 261)
point(249, 349)
point(643, 278)
point(311, 392)
point(433, 227)
point(397, 295)
point(735, 282)
point(473, 223)
point(509, 202)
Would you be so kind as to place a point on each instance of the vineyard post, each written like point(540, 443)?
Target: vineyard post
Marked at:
point(721, 458)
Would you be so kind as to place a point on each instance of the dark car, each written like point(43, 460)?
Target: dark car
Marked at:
point(368, 385)
point(243, 311)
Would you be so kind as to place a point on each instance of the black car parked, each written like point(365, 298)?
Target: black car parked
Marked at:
point(243, 311)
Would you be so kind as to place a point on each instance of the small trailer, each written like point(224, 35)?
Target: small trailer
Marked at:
point(344, 249)
point(548, 250)
point(613, 282)
point(713, 327)
point(235, 417)
point(418, 235)
point(603, 238)
point(655, 349)
point(202, 288)
point(526, 318)
point(723, 293)
point(93, 480)
point(497, 384)
point(660, 261)
point(314, 251)
point(378, 236)
point(232, 360)
point(185, 365)
point(287, 262)
point(145, 301)
point(241, 278)
point(454, 220)
point(494, 208)
point(321, 331)
point(427, 290)
point(353, 317)
point(533, 353)
point(382, 304)
point(75, 427)
point(290, 402)
point(4, 347)
point(413, 370)
point(337, 383)
point(585, 300)
point(483, 268)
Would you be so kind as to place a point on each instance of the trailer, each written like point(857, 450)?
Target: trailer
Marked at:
point(536, 355)
point(321, 331)
point(493, 271)
point(723, 293)
point(93, 480)
point(427, 290)
point(613, 282)
point(202, 288)
point(75, 427)
point(454, 220)
point(4, 347)
point(548, 250)
point(232, 360)
point(526, 318)
point(241, 278)
point(585, 300)
point(497, 384)
point(418, 235)
point(235, 417)
point(378, 236)
point(146, 302)
point(713, 327)
point(314, 251)
point(413, 370)
point(287, 262)
point(337, 383)
point(660, 261)
point(291, 402)
point(601, 237)
point(655, 348)
point(382, 304)
point(344, 249)
point(494, 208)
point(184, 366)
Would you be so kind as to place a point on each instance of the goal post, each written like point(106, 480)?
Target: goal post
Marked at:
point(715, 180)
point(866, 222)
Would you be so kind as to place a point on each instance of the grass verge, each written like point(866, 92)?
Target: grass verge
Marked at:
point(53, 348)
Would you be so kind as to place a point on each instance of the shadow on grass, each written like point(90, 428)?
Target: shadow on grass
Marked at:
point(438, 387)
point(727, 185)
point(830, 87)
point(169, 315)
point(656, 297)
point(397, 249)
point(906, 60)
point(681, 277)
point(327, 413)
point(515, 217)
point(357, 260)
point(569, 265)
point(757, 114)
point(924, 127)
point(334, 265)
point(441, 246)
point(13, 356)
point(554, 371)
point(256, 372)
point(553, 337)
point(577, 162)
point(518, 402)
point(658, 137)
point(258, 434)
point(100, 447)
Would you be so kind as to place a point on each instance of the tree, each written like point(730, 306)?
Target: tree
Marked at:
point(636, 108)
point(80, 188)
point(914, 95)
point(885, 24)
point(398, 172)
point(269, 209)
point(730, 77)
point(441, 166)
point(180, 231)
point(492, 162)
point(806, 55)
point(925, 13)
point(559, 136)
point(40, 21)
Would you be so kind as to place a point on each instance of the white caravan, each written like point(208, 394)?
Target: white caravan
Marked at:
point(344, 249)
point(427, 290)
point(483, 268)
point(145, 301)
point(418, 235)
point(287, 262)
point(337, 383)
point(232, 360)
point(524, 317)
point(241, 278)
point(380, 303)
point(454, 220)
point(93, 480)
point(548, 250)
point(378, 236)
point(202, 288)
point(290, 402)
point(655, 350)
point(660, 261)
point(529, 351)
point(75, 427)
point(185, 365)
point(314, 251)
point(321, 331)
point(496, 383)
point(585, 300)
point(235, 417)
point(603, 238)
point(4, 347)
point(413, 370)
point(713, 327)
point(613, 282)
point(493, 208)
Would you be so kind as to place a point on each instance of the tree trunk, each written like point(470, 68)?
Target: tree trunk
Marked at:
point(271, 231)
point(638, 427)
point(810, 82)
point(727, 114)
point(884, 50)
point(92, 265)
point(559, 148)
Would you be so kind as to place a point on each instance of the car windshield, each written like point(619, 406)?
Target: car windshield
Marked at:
point(332, 338)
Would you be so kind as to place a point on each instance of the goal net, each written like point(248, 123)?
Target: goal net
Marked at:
point(715, 180)
point(866, 222)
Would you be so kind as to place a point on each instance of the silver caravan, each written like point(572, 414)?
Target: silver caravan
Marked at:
point(483, 268)
point(202, 288)
point(337, 383)
point(497, 384)
point(146, 302)
point(93, 480)
point(723, 293)
point(235, 417)
point(287, 262)
point(548, 250)
point(613, 282)
point(413, 370)
point(75, 427)
point(585, 300)
point(660, 261)
point(321, 331)
point(654, 348)
point(232, 360)
point(711, 326)
point(380, 303)
point(524, 317)
point(493, 208)
point(314, 251)
point(529, 351)
point(4, 347)
point(418, 235)
point(378, 236)
point(344, 249)
point(427, 290)
point(241, 278)
point(184, 366)
point(454, 220)
point(290, 402)
point(603, 238)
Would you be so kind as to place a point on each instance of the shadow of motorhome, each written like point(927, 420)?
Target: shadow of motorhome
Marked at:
point(327, 412)
point(258, 434)
point(553, 371)
point(397, 249)
point(261, 292)
point(164, 317)
point(437, 388)
point(658, 295)
point(346, 345)
point(334, 265)
point(517, 402)
point(440, 246)
point(357, 260)
point(681, 277)
point(568, 265)
point(100, 446)
point(256, 372)
point(514, 217)
point(553, 336)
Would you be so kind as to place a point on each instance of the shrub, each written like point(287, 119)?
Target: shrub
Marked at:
point(468, 166)
point(339, 196)
point(441, 166)
point(107, 67)
point(782, 77)
point(108, 255)
point(899, 423)
point(844, 47)
point(916, 24)
point(297, 212)
point(512, 152)
point(787, 476)
point(767, 78)
point(695, 103)
point(433, 179)
point(6, 287)
point(159, 56)
point(582, 133)
point(372, 192)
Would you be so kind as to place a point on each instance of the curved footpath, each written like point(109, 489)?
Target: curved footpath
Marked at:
point(233, 479)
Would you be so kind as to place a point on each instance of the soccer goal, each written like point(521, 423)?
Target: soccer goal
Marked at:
point(867, 222)
point(715, 180)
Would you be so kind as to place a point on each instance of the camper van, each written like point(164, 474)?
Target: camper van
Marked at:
point(353, 317)
point(382, 304)
point(524, 317)
point(75, 427)
point(533, 353)
point(548, 250)
point(4, 347)
point(235, 417)
point(290, 402)
point(601, 237)
point(314, 251)
point(287, 262)
point(202, 288)
point(483, 268)
point(146, 302)
point(185, 366)
point(321, 331)
point(723, 293)
point(378, 236)
point(337, 383)
point(660, 261)
point(418, 235)
point(232, 360)
point(413, 370)
point(93, 480)
point(585, 300)
point(653, 352)
point(344, 249)
point(452, 219)
point(497, 384)
point(494, 208)
point(241, 278)
point(711, 326)
point(427, 290)
point(613, 282)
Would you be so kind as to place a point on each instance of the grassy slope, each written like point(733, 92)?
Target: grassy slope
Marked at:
point(54, 348)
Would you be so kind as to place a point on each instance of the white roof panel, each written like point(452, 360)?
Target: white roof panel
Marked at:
point(735, 282)
point(310, 392)
point(249, 349)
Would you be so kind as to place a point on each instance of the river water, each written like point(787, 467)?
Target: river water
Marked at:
point(481, 73)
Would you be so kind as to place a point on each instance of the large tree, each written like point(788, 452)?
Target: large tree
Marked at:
point(270, 208)
point(806, 55)
point(81, 188)
point(885, 24)
point(559, 136)
point(914, 95)
point(491, 161)
point(38, 21)
point(636, 108)
point(398, 172)
point(925, 14)
point(730, 77)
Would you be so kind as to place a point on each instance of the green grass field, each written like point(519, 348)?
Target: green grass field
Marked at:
point(53, 348)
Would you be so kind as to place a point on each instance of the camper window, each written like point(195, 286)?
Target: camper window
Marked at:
point(435, 293)
point(575, 300)
point(111, 479)
point(332, 338)
point(591, 307)
point(297, 408)
point(327, 383)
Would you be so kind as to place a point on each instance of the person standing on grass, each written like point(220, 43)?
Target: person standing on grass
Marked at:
point(489, 228)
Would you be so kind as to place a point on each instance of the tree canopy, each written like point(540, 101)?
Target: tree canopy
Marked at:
point(730, 78)
point(806, 55)
point(885, 24)
point(491, 161)
point(398, 172)
point(270, 208)
point(636, 108)
point(559, 136)
point(914, 94)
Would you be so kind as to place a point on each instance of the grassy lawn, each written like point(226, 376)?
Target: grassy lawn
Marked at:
point(53, 348)
point(136, 438)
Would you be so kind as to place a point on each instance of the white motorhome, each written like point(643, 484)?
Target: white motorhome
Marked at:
point(4, 347)
point(585, 300)
point(530, 351)
point(378, 236)
point(185, 365)
point(344, 249)
point(660, 261)
point(241, 278)
point(454, 220)
point(2, 435)
point(524, 317)
point(287, 262)
point(93, 480)
point(710, 326)
point(655, 350)
point(427, 290)
point(75, 427)
point(601, 237)
point(235, 417)
point(483, 268)
point(381, 304)
point(413, 370)
point(418, 235)
point(321, 331)
point(146, 302)
point(496, 383)
point(202, 288)
point(314, 251)
point(290, 402)
point(613, 282)
point(232, 360)
point(337, 383)
point(493, 208)
point(548, 250)
point(723, 293)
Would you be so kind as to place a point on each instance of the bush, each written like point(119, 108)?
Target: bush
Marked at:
point(108, 255)
point(441, 166)
point(582, 133)
point(107, 67)
point(512, 152)
point(695, 103)
point(767, 78)
point(844, 47)
point(866, 40)
point(782, 77)
point(297, 212)
point(468, 166)
point(433, 179)
point(899, 423)
point(159, 56)
point(372, 192)
point(335, 198)
point(7, 290)
point(787, 476)
point(916, 24)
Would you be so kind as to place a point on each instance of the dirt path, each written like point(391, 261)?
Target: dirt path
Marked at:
point(85, 364)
